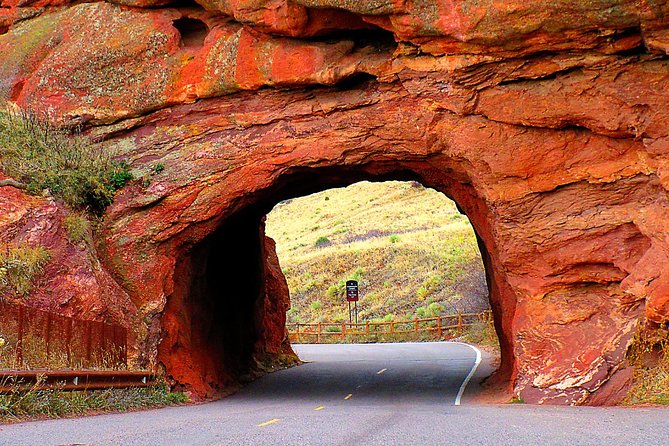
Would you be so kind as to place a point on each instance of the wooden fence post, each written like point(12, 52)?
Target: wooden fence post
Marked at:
point(459, 322)
point(343, 330)
point(439, 326)
point(68, 341)
point(318, 335)
point(392, 326)
point(19, 340)
point(415, 325)
point(47, 337)
point(367, 328)
point(297, 332)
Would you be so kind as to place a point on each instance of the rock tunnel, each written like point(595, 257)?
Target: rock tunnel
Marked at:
point(546, 124)
point(228, 307)
point(562, 256)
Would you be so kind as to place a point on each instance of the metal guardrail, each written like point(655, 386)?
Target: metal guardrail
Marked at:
point(19, 380)
point(439, 325)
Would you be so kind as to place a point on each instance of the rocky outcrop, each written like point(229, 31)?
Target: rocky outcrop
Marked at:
point(73, 281)
point(545, 121)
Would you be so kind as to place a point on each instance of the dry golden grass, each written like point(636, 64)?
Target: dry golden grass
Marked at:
point(408, 246)
point(19, 265)
point(650, 358)
point(20, 404)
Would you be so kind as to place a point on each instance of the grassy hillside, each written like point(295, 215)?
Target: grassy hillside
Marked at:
point(410, 249)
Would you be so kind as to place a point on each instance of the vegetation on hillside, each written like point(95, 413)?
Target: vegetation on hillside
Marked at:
point(38, 156)
point(412, 252)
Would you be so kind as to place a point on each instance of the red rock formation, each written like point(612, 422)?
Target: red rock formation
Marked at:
point(73, 282)
point(545, 121)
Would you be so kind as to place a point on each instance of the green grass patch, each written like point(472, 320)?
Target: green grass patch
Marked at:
point(68, 165)
point(78, 227)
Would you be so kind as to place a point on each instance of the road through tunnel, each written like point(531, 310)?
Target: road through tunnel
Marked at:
point(226, 317)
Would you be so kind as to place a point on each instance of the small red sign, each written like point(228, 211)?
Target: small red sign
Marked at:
point(352, 290)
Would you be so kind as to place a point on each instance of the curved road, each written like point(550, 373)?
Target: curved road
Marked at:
point(373, 394)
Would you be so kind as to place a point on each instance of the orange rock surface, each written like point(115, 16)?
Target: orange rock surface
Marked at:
point(545, 121)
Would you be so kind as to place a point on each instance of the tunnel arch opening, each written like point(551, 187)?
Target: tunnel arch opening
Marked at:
point(413, 254)
point(225, 319)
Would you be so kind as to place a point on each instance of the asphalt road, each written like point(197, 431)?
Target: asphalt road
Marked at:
point(379, 394)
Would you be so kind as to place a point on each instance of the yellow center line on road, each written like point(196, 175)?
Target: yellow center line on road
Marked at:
point(381, 371)
point(348, 397)
point(320, 408)
point(267, 423)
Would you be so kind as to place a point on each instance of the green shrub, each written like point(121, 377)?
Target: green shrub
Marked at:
point(429, 286)
point(158, 168)
point(357, 274)
point(70, 166)
point(394, 238)
point(421, 292)
point(322, 241)
point(77, 227)
point(316, 305)
point(432, 310)
point(19, 265)
point(517, 399)
point(336, 290)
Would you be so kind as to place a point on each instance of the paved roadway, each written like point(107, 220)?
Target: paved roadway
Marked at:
point(375, 394)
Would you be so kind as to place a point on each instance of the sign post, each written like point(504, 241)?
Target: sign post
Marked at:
point(352, 296)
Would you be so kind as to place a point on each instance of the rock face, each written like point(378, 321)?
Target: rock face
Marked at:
point(73, 283)
point(545, 121)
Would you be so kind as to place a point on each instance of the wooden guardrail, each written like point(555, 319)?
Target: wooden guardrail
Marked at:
point(439, 326)
point(16, 380)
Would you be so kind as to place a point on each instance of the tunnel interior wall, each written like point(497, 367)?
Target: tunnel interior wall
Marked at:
point(211, 325)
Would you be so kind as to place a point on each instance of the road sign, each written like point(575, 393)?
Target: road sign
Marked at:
point(352, 290)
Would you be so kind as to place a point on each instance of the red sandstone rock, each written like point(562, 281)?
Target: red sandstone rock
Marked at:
point(79, 71)
point(560, 160)
point(73, 282)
